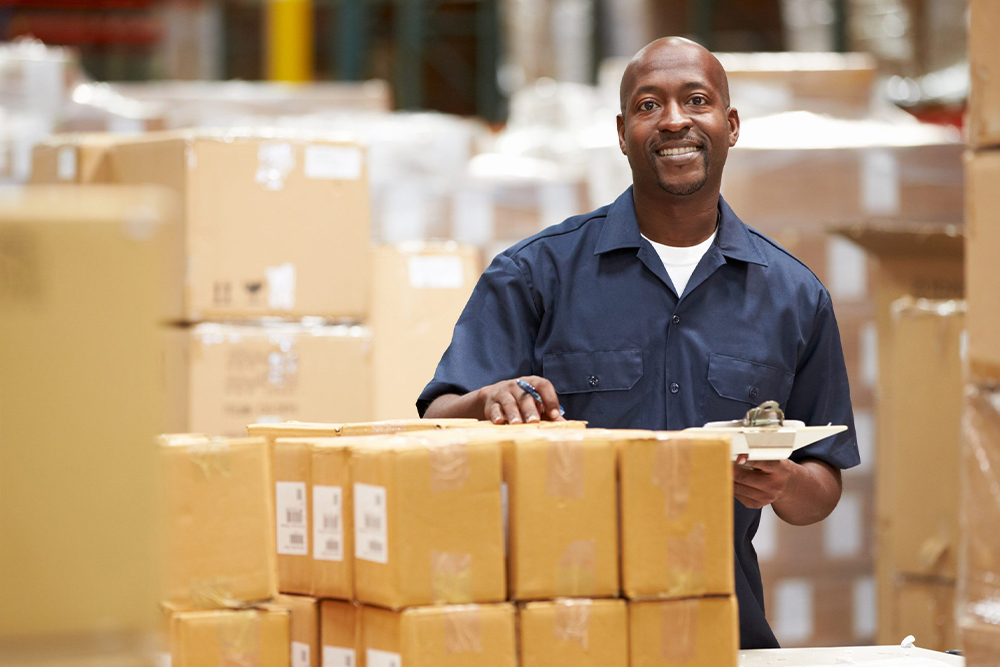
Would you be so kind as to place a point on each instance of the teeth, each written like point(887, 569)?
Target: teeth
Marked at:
point(678, 151)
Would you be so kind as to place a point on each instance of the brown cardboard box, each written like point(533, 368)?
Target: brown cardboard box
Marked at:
point(273, 226)
point(340, 633)
point(225, 376)
point(219, 520)
point(428, 522)
point(982, 281)
point(676, 516)
point(82, 402)
point(563, 514)
point(697, 632)
point(309, 429)
point(927, 611)
point(481, 635)
point(293, 494)
point(983, 118)
point(211, 638)
point(303, 629)
point(332, 514)
point(73, 158)
point(564, 633)
point(419, 291)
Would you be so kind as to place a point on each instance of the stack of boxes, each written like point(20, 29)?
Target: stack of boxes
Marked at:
point(979, 563)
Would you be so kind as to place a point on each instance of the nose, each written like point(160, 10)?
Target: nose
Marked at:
point(673, 118)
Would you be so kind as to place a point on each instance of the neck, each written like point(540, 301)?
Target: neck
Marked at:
point(679, 221)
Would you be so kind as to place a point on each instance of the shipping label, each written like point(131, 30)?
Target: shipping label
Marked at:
point(300, 654)
point(371, 535)
point(335, 656)
point(290, 503)
point(328, 523)
point(377, 658)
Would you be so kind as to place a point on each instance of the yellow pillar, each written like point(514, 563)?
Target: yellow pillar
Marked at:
point(289, 26)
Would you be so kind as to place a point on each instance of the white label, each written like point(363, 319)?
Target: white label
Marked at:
point(376, 658)
point(334, 656)
point(328, 523)
point(765, 542)
point(436, 272)
point(300, 654)
point(847, 269)
point(66, 163)
point(371, 535)
point(843, 534)
point(333, 162)
point(793, 611)
point(864, 599)
point(274, 161)
point(281, 286)
point(864, 427)
point(162, 659)
point(290, 502)
point(879, 182)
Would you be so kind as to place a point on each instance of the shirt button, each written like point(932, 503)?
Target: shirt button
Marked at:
point(592, 380)
point(753, 392)
point(674, 387)
point(676, 319)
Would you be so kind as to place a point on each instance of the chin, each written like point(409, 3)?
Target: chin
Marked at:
point(683, 188)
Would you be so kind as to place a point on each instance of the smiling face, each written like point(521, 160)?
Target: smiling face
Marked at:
point(676, 125)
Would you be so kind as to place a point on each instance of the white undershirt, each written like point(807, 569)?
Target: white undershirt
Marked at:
point(680, 263)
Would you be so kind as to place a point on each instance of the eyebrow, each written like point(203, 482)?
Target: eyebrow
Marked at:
point(686, 86)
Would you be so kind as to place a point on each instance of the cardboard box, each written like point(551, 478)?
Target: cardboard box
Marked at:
point(273, 226)
point(73, 158)
point(340, 633)
point(481, 635)
point(563, 513)
point(293, 516)
point(428, 522)
point(225, 376)
point(303, 626)
point(418, 293)
point(211, 638)
point(219, 520)
point(676, 516)
point(983, 117)
point(388, 427)
point(698, 632)
point(584, 633)
point(82, 402)
point(926, 610)
point(982, 236)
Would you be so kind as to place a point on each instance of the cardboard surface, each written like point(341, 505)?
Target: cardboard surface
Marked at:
point(332, 509)
point(982, 279)
point(225, 376)
point(677, 516)
point(304, 619)
point(419, 290)
point(211, 638)
point(82, 402)
point(481, 635)
point(294, 516)
point(219, 520)
point(340, 633)
point(983, 116)
point(73, 158)
point(563, 516)
point(927, 611)
point(273, 226)
point(577, 632)
point(697, 632)
point(294, 429)
point(428, 523)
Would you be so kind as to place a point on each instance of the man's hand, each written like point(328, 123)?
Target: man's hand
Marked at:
point(501, 403)
point(800, 493)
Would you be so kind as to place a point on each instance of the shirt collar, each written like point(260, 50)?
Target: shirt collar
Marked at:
point(621, 230)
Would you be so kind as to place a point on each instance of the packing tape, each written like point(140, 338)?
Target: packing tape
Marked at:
point(239, 639)
point(686, 563)
point(679, 630)
point(979, 586)
point(672, 473)
point(463, 629)
point(449, 463)
point(451, 577)
point(212, 457)
point(577, 569)
point(572, 621)
point(564, 466)
point(214, 593)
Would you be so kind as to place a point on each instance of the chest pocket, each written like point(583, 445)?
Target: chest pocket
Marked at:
point(595, 386)
point(736, 385)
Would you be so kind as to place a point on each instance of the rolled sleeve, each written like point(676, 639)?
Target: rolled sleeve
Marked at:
point(494, 337)
point(821, 394)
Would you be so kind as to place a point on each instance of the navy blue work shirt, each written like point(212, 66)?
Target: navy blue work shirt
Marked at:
point(588, 304)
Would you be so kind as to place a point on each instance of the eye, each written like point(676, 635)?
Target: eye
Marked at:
point(699, 100)
point(647, 105)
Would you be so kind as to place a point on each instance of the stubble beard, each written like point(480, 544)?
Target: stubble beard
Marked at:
point(682, 190)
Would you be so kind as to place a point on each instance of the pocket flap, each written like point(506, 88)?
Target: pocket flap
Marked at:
point(748, 381)
point(602, 370)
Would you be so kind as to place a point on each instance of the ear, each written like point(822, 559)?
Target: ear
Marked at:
point(733, 118)
point(621, 135)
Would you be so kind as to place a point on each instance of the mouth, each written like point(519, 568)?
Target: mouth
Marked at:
point(680, 150)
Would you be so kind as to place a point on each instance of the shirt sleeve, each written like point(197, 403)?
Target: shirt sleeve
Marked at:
point(494, 338)
point(821, 394)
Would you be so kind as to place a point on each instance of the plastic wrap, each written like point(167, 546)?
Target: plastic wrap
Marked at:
point(565, 466)
point(572, 621)
point(672, 473)
point(463, 629)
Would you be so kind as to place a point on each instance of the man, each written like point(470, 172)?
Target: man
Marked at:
point(664, 311)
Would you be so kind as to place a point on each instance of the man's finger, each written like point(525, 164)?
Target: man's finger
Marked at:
point(495, 413)
point(528, 406)
point(550, 398)
point(510, 409)
point(754, 493)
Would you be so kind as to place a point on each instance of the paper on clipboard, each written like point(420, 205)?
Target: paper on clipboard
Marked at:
point(770, 443)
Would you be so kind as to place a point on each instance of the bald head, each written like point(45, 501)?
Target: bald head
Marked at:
point(666, 52)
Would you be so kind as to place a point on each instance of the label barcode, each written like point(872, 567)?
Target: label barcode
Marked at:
point(375, 545)
point(298, 494)
point(333, 545)
point(295, 538)
point(373, 522)
point(294, 516)
point(348, 661)
point(331, 521)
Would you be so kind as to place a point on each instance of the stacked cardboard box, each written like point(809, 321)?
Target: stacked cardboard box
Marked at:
point(978, 602)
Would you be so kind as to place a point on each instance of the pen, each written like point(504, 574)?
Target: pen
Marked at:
point(528, 389)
